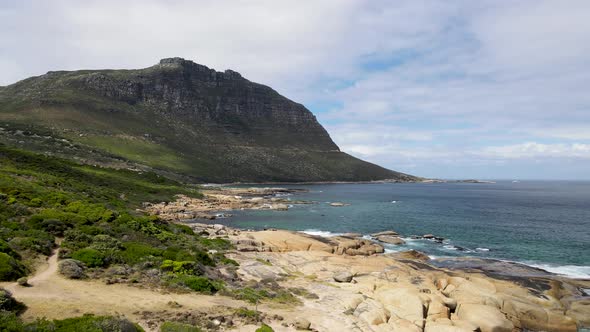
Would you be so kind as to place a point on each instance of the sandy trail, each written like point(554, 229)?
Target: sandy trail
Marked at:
point(55, 297)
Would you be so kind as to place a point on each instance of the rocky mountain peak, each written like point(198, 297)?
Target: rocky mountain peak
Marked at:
point(188, 65)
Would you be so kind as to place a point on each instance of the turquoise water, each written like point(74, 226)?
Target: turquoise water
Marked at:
point(540, 223)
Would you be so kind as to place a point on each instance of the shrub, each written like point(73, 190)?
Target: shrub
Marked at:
point(204, 258)
point(135, 252)
point(199, 284)
point(178, 327)
point(217, 244)
point(10, 269)
point(54, 226)
point(184, 267)
point(35, 202)
point(5, 248)
point(87, 323)
point(177, 254)
point(105, 243)
point(264, 328)
point(247, 313)
point(8, 303)
point(32, 243)
point(90, 257)
point(75, 239)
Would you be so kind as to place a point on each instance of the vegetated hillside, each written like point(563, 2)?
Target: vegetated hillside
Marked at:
point(177, 118)
point(92, 210)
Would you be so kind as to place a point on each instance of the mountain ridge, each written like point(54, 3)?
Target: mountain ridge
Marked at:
point(178, 118)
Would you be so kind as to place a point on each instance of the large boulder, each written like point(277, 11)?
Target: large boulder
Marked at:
point(72, 269)
point(488, 318)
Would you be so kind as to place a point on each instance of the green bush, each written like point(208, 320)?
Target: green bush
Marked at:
point(35, 202)
point(135, 252)
point(264, 328)
point(177, 254)
point(178, 327)
point(32, 243)
point(75, 239)
point(199, 284)
point(105, 243)
point(10, 269)
point(90, 257)
point(204, 258)
point(8, 303)
point(5, 248)
point(184, 267)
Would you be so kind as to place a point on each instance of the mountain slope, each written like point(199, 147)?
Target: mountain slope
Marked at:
point(178, 118)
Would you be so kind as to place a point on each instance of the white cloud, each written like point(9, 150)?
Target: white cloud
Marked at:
point(537, 150)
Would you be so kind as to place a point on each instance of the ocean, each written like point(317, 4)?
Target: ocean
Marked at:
point(544, 224)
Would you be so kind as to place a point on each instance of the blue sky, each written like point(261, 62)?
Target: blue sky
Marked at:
point(450, 89)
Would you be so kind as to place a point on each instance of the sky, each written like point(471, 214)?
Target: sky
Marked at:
point(445, 89)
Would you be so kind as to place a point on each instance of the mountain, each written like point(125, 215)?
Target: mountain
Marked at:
point(180, 119)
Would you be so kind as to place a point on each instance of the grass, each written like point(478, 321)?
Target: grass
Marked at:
point(140, 150)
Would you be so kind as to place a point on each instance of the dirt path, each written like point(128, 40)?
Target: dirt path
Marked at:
point(55, 297)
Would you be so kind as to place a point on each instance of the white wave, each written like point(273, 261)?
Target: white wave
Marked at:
point(450, 247)
point(482, 249)
point(571, 271)
point(317, 232)
point(393, 202)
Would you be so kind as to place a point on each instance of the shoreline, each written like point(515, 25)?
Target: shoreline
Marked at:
point(220, 202)
point(295, 281)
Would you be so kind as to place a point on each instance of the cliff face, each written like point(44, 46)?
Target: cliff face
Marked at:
point(177, 117)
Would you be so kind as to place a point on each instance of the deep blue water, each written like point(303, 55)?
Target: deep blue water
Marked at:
point(542, 223)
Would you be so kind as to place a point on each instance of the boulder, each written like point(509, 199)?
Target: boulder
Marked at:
point(343, 276)
point(428, 236)
point(396, 240)
point(488, 318)
point(72, 269)
point(301, 323)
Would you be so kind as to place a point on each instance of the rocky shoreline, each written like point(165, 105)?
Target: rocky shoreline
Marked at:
point(358, 287)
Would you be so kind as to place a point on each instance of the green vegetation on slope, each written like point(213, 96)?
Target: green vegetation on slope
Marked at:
point(92, 209)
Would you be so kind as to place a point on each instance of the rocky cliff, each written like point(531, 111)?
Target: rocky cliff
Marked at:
point(179, 118)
